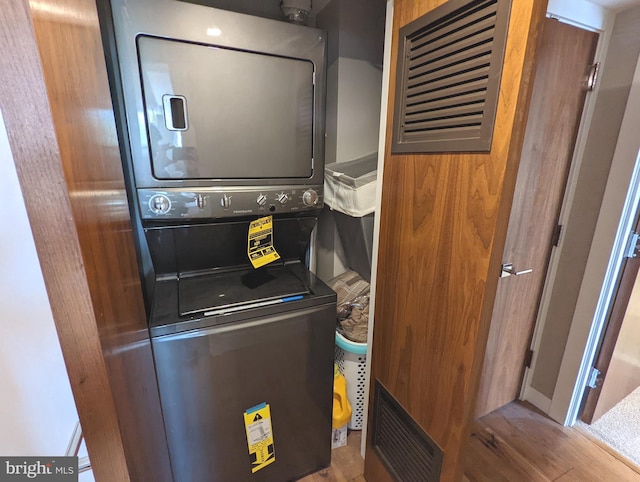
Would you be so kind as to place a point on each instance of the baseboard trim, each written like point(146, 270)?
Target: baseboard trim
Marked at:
point(537, 399)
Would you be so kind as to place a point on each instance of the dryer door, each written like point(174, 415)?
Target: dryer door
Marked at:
point(221, 113)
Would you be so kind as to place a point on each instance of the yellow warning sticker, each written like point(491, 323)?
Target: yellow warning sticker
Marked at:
point(257, 421)
point(260, 242)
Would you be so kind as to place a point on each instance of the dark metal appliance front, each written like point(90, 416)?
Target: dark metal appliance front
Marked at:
point(222, 350)
point(220, 115)
point(227, 337)
point(221, 121)
point(224, 111)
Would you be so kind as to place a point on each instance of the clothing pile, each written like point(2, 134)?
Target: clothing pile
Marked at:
point(352, 306)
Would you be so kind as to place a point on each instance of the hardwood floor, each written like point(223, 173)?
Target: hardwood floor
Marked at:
point(347, 465)
point(515, 443)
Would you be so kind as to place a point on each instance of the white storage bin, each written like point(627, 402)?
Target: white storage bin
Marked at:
point(350, 191)
point(351, 359)
point(350, 187)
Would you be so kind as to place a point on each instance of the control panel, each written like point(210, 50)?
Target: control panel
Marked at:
point(217, 203)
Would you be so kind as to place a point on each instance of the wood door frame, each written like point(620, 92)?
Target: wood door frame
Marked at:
point(384, 105)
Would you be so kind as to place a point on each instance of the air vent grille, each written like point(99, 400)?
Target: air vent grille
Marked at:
point(448, 77)
point(407, 451)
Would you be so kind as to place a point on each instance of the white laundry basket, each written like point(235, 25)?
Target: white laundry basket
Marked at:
point(351, 359)
point(350, 192)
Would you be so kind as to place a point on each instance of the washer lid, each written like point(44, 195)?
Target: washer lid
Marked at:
point(213, 292)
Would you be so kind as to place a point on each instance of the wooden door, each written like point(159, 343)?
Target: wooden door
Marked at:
point(443, 222)
point(564, 54)
point(55, 99)
point(26, 111)
point(618, 359)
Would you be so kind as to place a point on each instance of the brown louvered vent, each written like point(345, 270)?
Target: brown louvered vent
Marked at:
point(448, 77)
point(407, 451)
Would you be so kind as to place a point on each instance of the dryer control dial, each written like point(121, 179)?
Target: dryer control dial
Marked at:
point(261, 199)
point(282, 198)
point(225, 201)
point(310, 197)
point(201, 201)
point(159, 204)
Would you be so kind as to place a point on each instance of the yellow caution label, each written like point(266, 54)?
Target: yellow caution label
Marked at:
point(257, 421)
point(260, 242)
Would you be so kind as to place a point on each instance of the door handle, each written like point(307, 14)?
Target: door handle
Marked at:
point(508, 270)
point(175, 112)
point(592, 78)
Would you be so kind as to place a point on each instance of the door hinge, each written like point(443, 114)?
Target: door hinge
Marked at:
point(594, 375)
point(555, 240)
point(632, 245)
point(528, 359)
point(592, 77)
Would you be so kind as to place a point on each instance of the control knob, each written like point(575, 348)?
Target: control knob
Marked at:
point(310, 197)
point(261, 199)
point(159, 204)
point(225, 201)
point(201, 201)
point(282, 198)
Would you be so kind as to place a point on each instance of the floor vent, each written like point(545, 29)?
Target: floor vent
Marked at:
point(448, 77)
point(406, 450)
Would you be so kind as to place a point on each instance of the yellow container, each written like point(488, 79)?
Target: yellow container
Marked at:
point(341, 405)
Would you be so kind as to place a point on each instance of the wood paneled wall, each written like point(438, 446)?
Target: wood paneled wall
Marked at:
point(25, 107)
point(72, 56)
point(443, 225)
point(55, 97)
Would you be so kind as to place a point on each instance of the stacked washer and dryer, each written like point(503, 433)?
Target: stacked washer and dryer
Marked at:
point(221, 123)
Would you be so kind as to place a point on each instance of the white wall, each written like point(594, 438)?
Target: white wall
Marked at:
point(37, 410)
point(580, 13)
point(354, 81)
point(358, 120)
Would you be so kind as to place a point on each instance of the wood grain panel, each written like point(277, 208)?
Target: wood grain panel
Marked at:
point(70, 46)
point(564, 53)
point(517, 442)
point(487, 448)
point(24, 103)
point(443, 224)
